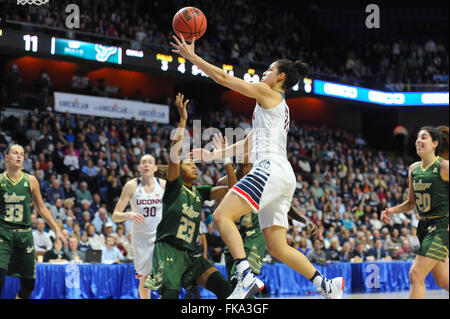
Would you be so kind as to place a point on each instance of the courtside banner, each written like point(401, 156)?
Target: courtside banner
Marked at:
point(114, 108)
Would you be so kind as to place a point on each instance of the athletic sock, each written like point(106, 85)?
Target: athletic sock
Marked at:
point(241, 264)
point(317, 279)
point(218, 285)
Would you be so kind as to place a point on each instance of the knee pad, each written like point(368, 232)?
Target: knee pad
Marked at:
point(26, 288)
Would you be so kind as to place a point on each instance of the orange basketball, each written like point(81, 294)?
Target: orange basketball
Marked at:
point(189, 22)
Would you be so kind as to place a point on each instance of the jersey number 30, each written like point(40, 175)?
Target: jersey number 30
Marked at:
point(150, 211)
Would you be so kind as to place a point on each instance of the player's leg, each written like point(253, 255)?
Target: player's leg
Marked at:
point(143, 254)
point(144, 293)
point(231, 208)
point(23, 264)
point(2, 279)
point(420, 269)
point(5, 255)
point(212, 279)
point(440, 274)
point(274, 224)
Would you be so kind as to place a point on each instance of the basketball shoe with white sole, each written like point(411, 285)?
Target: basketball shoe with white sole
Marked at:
point(247, 285)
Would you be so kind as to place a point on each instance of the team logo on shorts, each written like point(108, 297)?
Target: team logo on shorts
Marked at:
point(29, 249)
point(264, 164)
point(431, 229)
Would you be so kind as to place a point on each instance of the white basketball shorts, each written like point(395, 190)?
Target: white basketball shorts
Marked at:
point(143, 246)
point(268, 188)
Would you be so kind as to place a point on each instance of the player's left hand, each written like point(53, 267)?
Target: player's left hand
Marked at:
point(187, 51)
point(181, 105)
point(200, 154)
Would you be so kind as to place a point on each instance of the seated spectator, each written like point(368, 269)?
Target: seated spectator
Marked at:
point(358, 255)
point(83, 193)
point(111, 254)
point(393, 243)
point(405, 252)
point(58, 211)
point(89, 172)
point(84, 242)
point(302, 247)
point(42, 241)
point(97, 241)
point(123, 242)
point(377, 252)
point(68, 225)
point(76, 230)
point(108, 229)
point(55, 191)
point(68, 192)
point(73, 253)
point(68, 204)
point(345, 254)
point(376, 222)
point(101, 218)
point(56, 254)
point(332, 253)
point(96, 203)
point(317, 255)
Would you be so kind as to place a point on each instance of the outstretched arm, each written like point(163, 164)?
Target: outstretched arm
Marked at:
point(173, 169)
point(259, 91)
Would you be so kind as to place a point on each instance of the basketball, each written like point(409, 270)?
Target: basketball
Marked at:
point(189, 22)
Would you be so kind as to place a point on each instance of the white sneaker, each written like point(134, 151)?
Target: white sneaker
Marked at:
point(246, 286)
point(333, 289)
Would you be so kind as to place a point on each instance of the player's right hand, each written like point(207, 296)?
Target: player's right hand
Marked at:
point(137, 218)
point(181, 105)
point(386, 216)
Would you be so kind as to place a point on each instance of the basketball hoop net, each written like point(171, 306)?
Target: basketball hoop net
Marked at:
point(35, 2)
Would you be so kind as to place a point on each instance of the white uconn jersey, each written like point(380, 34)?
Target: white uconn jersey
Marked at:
point(149, 205)
point(270, 128)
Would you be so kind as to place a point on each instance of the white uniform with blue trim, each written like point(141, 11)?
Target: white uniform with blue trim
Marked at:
point(269, 187)
point(143, 235)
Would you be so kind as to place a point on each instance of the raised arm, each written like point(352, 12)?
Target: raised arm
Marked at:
point(173, 169)
point(260, 91)
point(43, 210)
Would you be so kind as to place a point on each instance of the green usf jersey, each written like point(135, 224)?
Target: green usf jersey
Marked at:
point(249, 225)
point(182, 214)
point(15, 202)
point(430, 190)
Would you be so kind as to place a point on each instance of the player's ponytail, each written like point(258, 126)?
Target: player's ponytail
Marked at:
point(295, 71)
point(443, 147)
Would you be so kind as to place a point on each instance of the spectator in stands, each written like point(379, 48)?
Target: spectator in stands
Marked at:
point(73, 253)
point(111, 254)
point(405, 252)
point(56, 254)
point(317, 255)
point(83, 193)
point(84, 242)
point(332, 253)
point(42, 241)
point(68, 192)
point(55, 191)
point(96, 241)
point(100, 219)
point(377, 252)
point(345, 255)
point(358, 254)
point(58, 211)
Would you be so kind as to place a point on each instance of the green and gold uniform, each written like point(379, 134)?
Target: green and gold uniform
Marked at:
point(254, 245)
point(17, 253)
point(176, 260)
point(431, 193)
